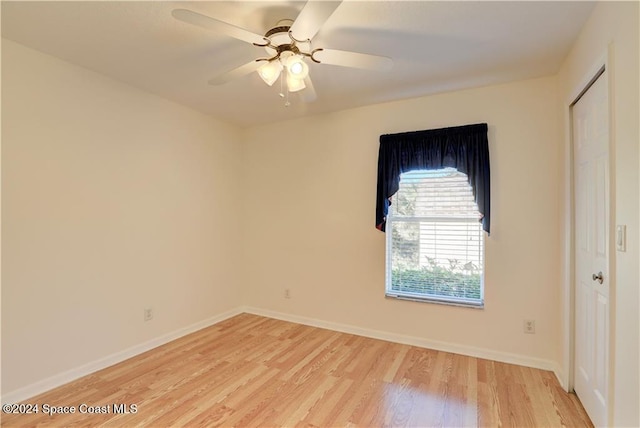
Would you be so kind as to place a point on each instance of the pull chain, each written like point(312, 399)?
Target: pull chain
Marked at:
point(284, 91)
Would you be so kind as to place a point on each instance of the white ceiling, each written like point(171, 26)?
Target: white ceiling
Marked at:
point(436, 46)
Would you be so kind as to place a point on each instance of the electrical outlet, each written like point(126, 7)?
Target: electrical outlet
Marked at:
point(148, 314)
point(287, 293)
point(530, 326)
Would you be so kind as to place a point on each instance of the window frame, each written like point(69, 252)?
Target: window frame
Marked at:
point(423, 297)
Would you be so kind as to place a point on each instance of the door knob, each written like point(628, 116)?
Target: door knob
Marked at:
point(597, 277)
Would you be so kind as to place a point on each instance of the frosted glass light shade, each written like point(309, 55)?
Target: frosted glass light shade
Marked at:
point(270, 72)
point(294, 84)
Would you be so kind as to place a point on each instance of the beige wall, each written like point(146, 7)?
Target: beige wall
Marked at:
point(113, 200)
point(309, 204)
point(612, 31)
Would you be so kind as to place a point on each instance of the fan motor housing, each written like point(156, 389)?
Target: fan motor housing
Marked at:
point(280, 41)
point(281, 29)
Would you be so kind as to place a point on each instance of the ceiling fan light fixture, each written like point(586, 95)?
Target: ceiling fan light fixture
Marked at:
point(294, 84)
point(270, 72)
point(297, 67)
point(287, 54)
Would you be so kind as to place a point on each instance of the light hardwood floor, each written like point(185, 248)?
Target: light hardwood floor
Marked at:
point(256, 371)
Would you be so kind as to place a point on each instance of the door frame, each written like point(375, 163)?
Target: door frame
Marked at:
point(566, 375)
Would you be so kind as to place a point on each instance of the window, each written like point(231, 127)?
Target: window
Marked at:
point(435, 239)
point(440, 183)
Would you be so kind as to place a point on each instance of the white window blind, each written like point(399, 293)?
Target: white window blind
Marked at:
point(434, 239)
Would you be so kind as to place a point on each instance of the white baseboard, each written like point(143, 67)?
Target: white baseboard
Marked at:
point(92, 367)
point(562, 378)
point(489, 354)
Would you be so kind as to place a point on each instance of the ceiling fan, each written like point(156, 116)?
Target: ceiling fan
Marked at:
point(288, 48)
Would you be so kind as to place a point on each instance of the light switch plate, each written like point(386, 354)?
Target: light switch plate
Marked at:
point(621, 237)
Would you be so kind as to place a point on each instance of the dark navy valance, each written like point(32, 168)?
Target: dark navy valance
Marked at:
point(465, 148)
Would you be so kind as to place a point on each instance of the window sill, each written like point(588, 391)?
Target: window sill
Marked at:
point(441, 301)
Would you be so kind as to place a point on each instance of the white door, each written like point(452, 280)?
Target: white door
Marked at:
point(591, 181)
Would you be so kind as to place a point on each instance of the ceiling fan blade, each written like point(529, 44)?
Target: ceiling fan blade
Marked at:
point(206, 22)
point(353, 59)
point(308, 95)
point(312, 16)
point(243, 70)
